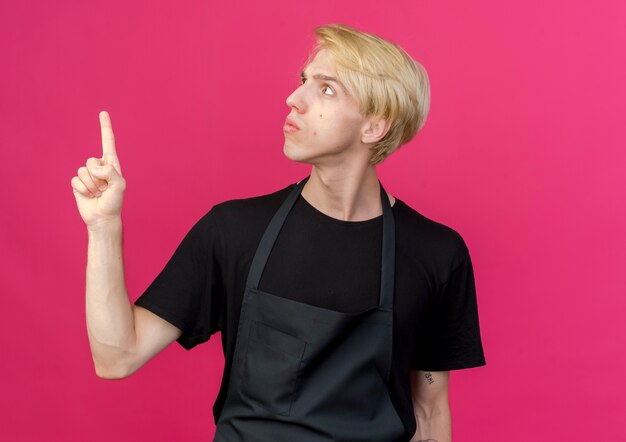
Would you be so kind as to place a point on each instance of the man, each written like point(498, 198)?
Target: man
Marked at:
point(342, 309)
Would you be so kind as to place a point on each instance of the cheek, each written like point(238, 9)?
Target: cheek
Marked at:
point(334, 127)
point(314, 132)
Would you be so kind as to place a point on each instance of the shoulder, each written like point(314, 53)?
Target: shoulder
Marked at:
point(239, 223)
point(435, 244)
point(253, 207)
point(242, 210)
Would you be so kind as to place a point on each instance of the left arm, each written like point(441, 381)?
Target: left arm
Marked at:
point(429, 391)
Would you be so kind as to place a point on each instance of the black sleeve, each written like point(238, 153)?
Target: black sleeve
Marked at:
point(188, 292)
point(449, 332)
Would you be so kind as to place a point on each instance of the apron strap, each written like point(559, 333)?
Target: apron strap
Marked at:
point(388, 248)
point(270, 235)
point(388, 262)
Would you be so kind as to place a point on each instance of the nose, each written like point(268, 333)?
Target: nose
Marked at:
point(296, 101)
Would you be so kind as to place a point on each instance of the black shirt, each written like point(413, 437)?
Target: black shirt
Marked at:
point(332, 264)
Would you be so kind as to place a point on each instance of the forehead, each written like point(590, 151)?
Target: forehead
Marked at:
point(321, 63)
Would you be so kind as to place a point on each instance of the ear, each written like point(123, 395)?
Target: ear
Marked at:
point(374, 128)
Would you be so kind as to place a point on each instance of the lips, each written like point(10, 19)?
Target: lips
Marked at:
point(289, 121)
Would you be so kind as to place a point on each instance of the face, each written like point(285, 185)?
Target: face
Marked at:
point(328, 120)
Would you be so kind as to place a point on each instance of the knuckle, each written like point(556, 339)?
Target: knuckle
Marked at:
point(87, 181)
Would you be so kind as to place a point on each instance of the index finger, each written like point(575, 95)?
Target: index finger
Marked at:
point(108, 140)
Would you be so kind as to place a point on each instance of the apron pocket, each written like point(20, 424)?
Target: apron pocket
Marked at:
point(271, 366)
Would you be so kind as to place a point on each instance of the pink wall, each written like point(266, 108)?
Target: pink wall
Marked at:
point(521, 154)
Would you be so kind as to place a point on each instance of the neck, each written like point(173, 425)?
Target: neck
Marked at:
point(345, 195)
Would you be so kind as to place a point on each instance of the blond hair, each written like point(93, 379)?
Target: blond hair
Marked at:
point(384, 80)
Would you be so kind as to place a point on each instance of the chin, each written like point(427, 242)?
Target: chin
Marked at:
point(293, 154)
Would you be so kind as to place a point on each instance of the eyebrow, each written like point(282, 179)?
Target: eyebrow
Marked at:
point(325, 78)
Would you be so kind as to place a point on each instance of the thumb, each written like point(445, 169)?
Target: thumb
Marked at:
point(106, 172)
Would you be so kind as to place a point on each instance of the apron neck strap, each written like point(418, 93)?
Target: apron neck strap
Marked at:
point(388, 261)
point(276, 224)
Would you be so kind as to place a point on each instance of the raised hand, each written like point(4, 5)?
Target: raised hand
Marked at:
point(99, 185)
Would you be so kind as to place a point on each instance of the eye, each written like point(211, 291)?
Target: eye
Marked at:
point(329, 88)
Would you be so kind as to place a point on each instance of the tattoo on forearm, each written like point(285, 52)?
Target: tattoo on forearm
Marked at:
point(429, 378)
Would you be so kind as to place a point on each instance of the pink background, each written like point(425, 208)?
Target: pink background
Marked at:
point(522, 153)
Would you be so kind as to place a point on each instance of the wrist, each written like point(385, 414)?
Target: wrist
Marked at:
point(111, 225)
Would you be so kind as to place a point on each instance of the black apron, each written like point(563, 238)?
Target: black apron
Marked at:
point(304, 373)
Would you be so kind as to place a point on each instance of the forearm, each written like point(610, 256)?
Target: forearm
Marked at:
point(110, 322)
point(434, 424)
